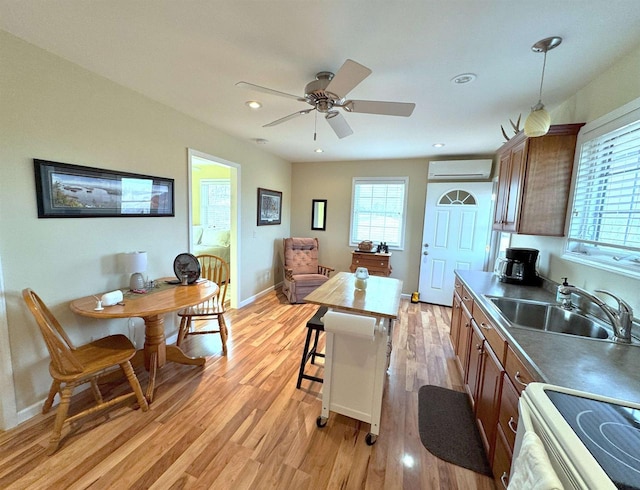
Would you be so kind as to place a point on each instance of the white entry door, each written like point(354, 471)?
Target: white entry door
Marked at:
point(456, 235)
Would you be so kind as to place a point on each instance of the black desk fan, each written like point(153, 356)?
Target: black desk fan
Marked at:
point(186, 264)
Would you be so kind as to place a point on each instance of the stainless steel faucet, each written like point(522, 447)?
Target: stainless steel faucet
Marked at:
point(621, 319)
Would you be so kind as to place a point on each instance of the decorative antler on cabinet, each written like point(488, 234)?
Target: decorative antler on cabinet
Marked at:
point(515, 126)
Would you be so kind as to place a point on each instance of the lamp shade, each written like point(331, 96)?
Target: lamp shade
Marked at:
point(134, 262)
point(538, 123)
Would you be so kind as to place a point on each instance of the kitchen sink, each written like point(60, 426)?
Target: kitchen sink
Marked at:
point(549, 317)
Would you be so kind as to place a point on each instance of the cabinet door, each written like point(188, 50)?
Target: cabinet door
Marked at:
point(516, 174)
point(476, 347)
point(456, 316)
point(501, 461)
point(502, 195)
point(488, 398)
point(463, 343)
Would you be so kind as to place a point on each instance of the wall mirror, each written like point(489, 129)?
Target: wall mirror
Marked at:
point(319, 214)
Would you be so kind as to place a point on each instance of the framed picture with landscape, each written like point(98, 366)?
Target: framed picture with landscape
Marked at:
point(269, 207)
point(74, 191)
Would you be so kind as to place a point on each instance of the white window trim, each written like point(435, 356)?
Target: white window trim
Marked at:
point(378, 180)
point(618, 118)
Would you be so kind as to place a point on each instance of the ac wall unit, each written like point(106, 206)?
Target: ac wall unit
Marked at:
point(460, 170)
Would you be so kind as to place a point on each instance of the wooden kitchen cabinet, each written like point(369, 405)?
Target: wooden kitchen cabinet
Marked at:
point(506, 431)
point(476, 348)
point(534, 181)
point(494, 377)
point(483, 383)
point(378, 264)
point(456, 317)
point(464, 342)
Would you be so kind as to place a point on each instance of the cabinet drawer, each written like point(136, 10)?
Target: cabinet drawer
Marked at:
point(493, 336)
point(467, 300)
point(508, 417)
point(518, 373)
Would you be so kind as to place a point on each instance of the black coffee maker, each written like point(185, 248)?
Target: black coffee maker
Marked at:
point(519, 267)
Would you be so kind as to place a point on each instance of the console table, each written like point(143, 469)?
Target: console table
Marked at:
point(378, 264)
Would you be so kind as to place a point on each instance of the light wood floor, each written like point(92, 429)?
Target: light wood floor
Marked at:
point(240, 422)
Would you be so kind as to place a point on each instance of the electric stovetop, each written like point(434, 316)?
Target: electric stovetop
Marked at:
point(611, 433)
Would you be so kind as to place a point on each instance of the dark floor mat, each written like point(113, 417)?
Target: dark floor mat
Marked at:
point(448, 429)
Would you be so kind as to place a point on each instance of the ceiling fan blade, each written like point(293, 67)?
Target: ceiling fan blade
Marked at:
point(286, 118)
point(339, 125)
point(349, 75)
point(270, 91)
point(378, 107)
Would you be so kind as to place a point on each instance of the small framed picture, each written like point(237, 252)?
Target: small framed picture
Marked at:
point(269, 207)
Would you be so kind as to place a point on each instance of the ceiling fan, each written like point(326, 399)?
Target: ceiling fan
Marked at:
point(328, 92)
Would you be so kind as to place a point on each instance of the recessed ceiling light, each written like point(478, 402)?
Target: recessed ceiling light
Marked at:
point(464, 78)
point(438, 145)
point(319, 150)
point(253, 104)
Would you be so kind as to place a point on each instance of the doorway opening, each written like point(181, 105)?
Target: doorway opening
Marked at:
point(214, 212)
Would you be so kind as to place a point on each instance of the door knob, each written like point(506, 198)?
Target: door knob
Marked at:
point(425, 253)
point(426, 245)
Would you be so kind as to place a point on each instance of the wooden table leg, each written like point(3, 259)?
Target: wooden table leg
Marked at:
point(157, 352)
point(175, 354)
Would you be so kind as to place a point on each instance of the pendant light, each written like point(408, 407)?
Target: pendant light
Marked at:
point(539, 121)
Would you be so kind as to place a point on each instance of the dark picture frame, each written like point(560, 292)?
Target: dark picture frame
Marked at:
point(64, 190)
point(319, 214)
point(269, 207)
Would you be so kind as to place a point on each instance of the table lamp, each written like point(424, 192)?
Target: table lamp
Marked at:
point(135, 263)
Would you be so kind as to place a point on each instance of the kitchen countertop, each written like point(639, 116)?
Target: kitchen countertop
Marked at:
point(586, 364)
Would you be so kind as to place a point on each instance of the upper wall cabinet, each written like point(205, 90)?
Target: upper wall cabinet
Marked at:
point(534, 182)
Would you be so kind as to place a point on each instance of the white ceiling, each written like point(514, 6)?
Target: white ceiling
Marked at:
point(189, 55)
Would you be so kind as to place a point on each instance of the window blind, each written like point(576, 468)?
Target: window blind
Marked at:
point(378, 210)
point(215, 203)
point(605, 216)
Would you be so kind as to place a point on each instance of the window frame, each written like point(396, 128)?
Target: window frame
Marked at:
point(404, 181)
point(604, 258)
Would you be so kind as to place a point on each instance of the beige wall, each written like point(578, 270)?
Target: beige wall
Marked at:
point(333, 181)
point(614, 88)
point(52, 109)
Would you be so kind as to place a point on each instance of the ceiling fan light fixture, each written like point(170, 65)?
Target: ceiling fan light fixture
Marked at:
point(539, 121)
point(331, 114)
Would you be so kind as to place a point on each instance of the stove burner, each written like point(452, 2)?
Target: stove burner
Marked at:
point(611, 433)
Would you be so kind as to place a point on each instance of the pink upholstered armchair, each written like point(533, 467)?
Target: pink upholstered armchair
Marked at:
point(302, 274)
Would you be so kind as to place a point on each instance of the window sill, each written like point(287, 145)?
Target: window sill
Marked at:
point(608, 265)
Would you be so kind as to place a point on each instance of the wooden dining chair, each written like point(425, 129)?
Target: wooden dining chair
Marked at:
point(72, 366)
point(216, 270)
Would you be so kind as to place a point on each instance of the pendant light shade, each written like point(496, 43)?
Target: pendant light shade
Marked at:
point(539, 121)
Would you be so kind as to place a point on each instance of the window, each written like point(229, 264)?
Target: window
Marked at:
point(378, 210)
point(215, 203)
point(604, 228)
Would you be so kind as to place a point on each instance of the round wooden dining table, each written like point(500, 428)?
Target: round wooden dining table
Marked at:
point(151, 307)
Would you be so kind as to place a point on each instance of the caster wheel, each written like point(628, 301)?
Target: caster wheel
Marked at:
point(321, 421)
point(370, 439)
